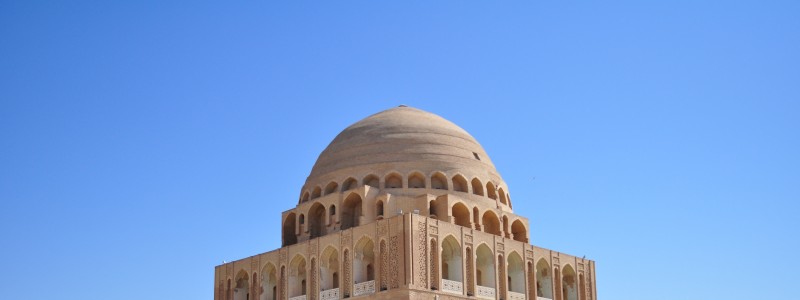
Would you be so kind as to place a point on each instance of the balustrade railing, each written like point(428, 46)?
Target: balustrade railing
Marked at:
point(301, 297)
point(515, 296)
point(452, 286)
point(543, 298)
point(331, 294)
point(367, 287)
point(485, 292)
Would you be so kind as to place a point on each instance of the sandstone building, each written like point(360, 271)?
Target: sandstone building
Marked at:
point(405, 205)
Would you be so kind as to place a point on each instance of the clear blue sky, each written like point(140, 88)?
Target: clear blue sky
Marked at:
point(143, 143)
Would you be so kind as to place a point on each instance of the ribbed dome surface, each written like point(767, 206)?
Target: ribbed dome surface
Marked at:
point(402, 139)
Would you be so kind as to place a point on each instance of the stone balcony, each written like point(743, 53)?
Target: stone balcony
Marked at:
point(364, 288)
point(331, 294)
point(301, 297)
point(543, 298)
point(515, 296)
point(486, 292)
point(452, 286)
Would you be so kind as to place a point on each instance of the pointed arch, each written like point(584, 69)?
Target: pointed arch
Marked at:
point(269, 282)
point(379, 209)
point(502, 195)
point(349, 184)
point(316, 216)
point(451, 259)
point(569, 280)
point(393, 181)
point(491, 191)
point(305, 197)
point(438, 181)
point(289, 230)
point(352, 211)
point(372, 180)
point(329, 268)
point(490, 223)
point(297, 276)
point(484, 264)
point(516, 273)
point(519, 231)
point(331, 188)
point(460, 214)
point(364, 260)
point(316, 192)
point(460, 184)
point(416, 181)
point(544, 282)
point(242, 289)
point(477, 187)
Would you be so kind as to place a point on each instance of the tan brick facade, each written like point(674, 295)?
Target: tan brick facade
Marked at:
point(386, 214)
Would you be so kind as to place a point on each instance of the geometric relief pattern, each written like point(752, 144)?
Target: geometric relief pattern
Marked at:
point(393, 244)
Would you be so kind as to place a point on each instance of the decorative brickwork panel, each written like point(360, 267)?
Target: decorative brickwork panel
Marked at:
point(348, 277)
point(421, 270)
point(313, 279)
point(470, 267)
point(384, 261)
point(501, 269)
point(395, 262)
point(434, 265)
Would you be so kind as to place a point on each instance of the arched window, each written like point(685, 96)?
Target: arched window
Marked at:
point(485, 269)
point(363, 261)
point(297, 276)
point(459, 184)
point(516, 273)
point(305, 197)
point(372, 181)
point(316, 193)
point(332, 214)
point(269, 282)
point(329, 268)
point(569, 282)
point(393, 181)
point(544, 282)
point(461, 215)
point(439, 181)
point(477, 187)
point(317, 219)
point(351, 214)
point(490, 223)
point(416, 181)
point(302, 222)
point(451, 262)
point(331, 188)
point(491, 191)
point(349, 184)
point(242, 290)
point(289, 233)
point(519, 231)
point(502, 196)
point(379, 208)
point(432, 210)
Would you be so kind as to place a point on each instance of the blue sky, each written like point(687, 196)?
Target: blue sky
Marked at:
point(144, 142)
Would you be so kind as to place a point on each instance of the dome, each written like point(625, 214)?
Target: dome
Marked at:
point(402, 140)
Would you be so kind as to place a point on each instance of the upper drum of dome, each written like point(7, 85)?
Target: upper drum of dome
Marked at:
point(402, 139)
